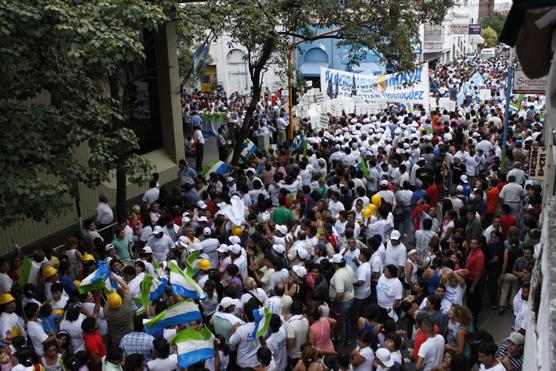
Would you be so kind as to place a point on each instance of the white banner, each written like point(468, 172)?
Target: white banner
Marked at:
point(406, 87)
point(537, 163)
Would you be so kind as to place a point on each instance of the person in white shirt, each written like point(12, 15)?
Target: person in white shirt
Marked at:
point(362, 284)
point(151, 195)
point(512, 194)
point(276, 342)
point(164, 361)
point(242, 338)
point(431, 351)
point(160, 244)
point(341, 293)
point(487, 357)
point(362, 357)
point(396, 252)
point(297, 328)
point(199, 147)
point(389, 292)
point(387, 195)
point(34, 329)
point(104, 217)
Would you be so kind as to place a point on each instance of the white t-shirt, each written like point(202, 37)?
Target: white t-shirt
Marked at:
point(388, 290)
point(160, 246)
point(369, 356)
point(5, 283)
point(37, 336)
point(7, 323)
point(278, 277)
point(454, 295)
point(275, 305)
point(335, 207)
point(168, 364)
point(297, 329)
point(74, 331)
point(396, 255)
point(363, 274)
point(432, 352)
point(342, 281)
point(246, 345)
point(277, 345)
point(498, 367)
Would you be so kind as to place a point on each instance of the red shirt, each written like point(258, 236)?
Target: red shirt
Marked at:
point(432, 190)
point(507, 221)
point(94, 346)
point(492, 200)
point(475, 264)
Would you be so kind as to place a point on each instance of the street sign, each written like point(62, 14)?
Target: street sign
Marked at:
point(537, 164)
point(416, 46)
point(459, 28)
point(524, 85)
point(475, 29)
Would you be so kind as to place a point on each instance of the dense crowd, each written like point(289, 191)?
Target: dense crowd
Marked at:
point(376, 244)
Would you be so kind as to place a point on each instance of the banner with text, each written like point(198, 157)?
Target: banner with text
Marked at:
point(406, 87)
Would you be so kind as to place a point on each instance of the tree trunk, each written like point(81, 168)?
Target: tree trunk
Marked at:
point(256, 74)
point(121, 181)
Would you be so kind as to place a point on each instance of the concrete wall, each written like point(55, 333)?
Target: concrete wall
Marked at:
point(165, 158)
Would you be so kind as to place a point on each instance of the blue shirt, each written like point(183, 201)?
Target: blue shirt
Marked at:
point(417, 195)
point(49, 324)
point(196, 120)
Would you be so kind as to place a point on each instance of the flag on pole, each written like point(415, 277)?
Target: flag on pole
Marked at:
point(190, 269)
point(98, 280)
point(29, 272)
point(193, 346)
point(183, 284)
point(178, 314)
point(259, 168)
point(262, 321)
point(216, 166)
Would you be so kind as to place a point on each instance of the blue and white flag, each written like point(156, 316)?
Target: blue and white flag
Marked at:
point(98, 280)
point(178, 314)
point(215, 166)
point(200, 58)
point(183, 284)
point(248, 148)
point(193, 346)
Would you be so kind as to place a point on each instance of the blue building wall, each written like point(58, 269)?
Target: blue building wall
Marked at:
point(328, 53)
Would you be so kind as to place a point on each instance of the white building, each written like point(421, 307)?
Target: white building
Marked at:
point(451, 40)
point(232, 70)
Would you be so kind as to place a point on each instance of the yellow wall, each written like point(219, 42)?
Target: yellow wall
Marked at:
point(165, 159)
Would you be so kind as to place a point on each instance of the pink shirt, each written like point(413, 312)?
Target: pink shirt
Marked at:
point(321, 330)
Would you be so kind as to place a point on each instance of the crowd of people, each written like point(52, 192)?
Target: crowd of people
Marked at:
point(378, 245)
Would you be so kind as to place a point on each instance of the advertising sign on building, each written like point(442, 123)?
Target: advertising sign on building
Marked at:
point(524, 85)
point(537, 163)
point(416, 46)
point(459, 28)
point(475, 29)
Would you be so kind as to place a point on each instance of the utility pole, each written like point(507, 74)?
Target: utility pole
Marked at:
point(507, 110)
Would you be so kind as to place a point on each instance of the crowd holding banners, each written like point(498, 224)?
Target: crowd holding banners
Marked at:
point(367, 245)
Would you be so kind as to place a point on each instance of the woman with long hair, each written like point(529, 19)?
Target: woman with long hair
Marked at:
point(459, 324)
point(320, 332)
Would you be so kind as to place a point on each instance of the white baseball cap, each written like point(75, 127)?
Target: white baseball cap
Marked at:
point(185, 220)
point(395, 235)
point(109, 247)
point(147, 250)
point(207, 231)
point(384, 182)
point(157, 230)
point(182, 242)
point(383, 355)
point(337, 258)
point(234, 240)
point(235, 248)
point(227, 302)
point(302, 253)
point(463, 178)
point(201, 204)
point(223, 248)
point(202, 219)
point(280, 249)
point(282, 229)
point(300, 271)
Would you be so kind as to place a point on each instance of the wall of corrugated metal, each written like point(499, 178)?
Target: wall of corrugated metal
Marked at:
point(164, 159)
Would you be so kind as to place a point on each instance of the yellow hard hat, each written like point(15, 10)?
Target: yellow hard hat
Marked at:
point(49, 271)
point(16, 331)
point(88, 258)
point(114, 300)
point(237, 230)
point(6, 298)
point(204, 265)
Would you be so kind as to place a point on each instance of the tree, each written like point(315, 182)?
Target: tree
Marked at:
point(495, 21)
point(59, 57)
point(490, 37)
point(268, 29)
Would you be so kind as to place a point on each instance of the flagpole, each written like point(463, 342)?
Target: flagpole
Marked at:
point(507, 111)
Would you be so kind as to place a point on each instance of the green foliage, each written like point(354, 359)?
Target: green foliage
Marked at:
point(495, 21)
point(490, 37)
point(56, 56)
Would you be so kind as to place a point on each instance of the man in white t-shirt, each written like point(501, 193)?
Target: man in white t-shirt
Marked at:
point(34, 328)
point(341, 293)
point(164, 361)
point(362, 282)
point(297, 328)
point(243, 341)
point(431, 351)
point(160, 244)
point(276, 342)
point(396, 252)
point(151, 195)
